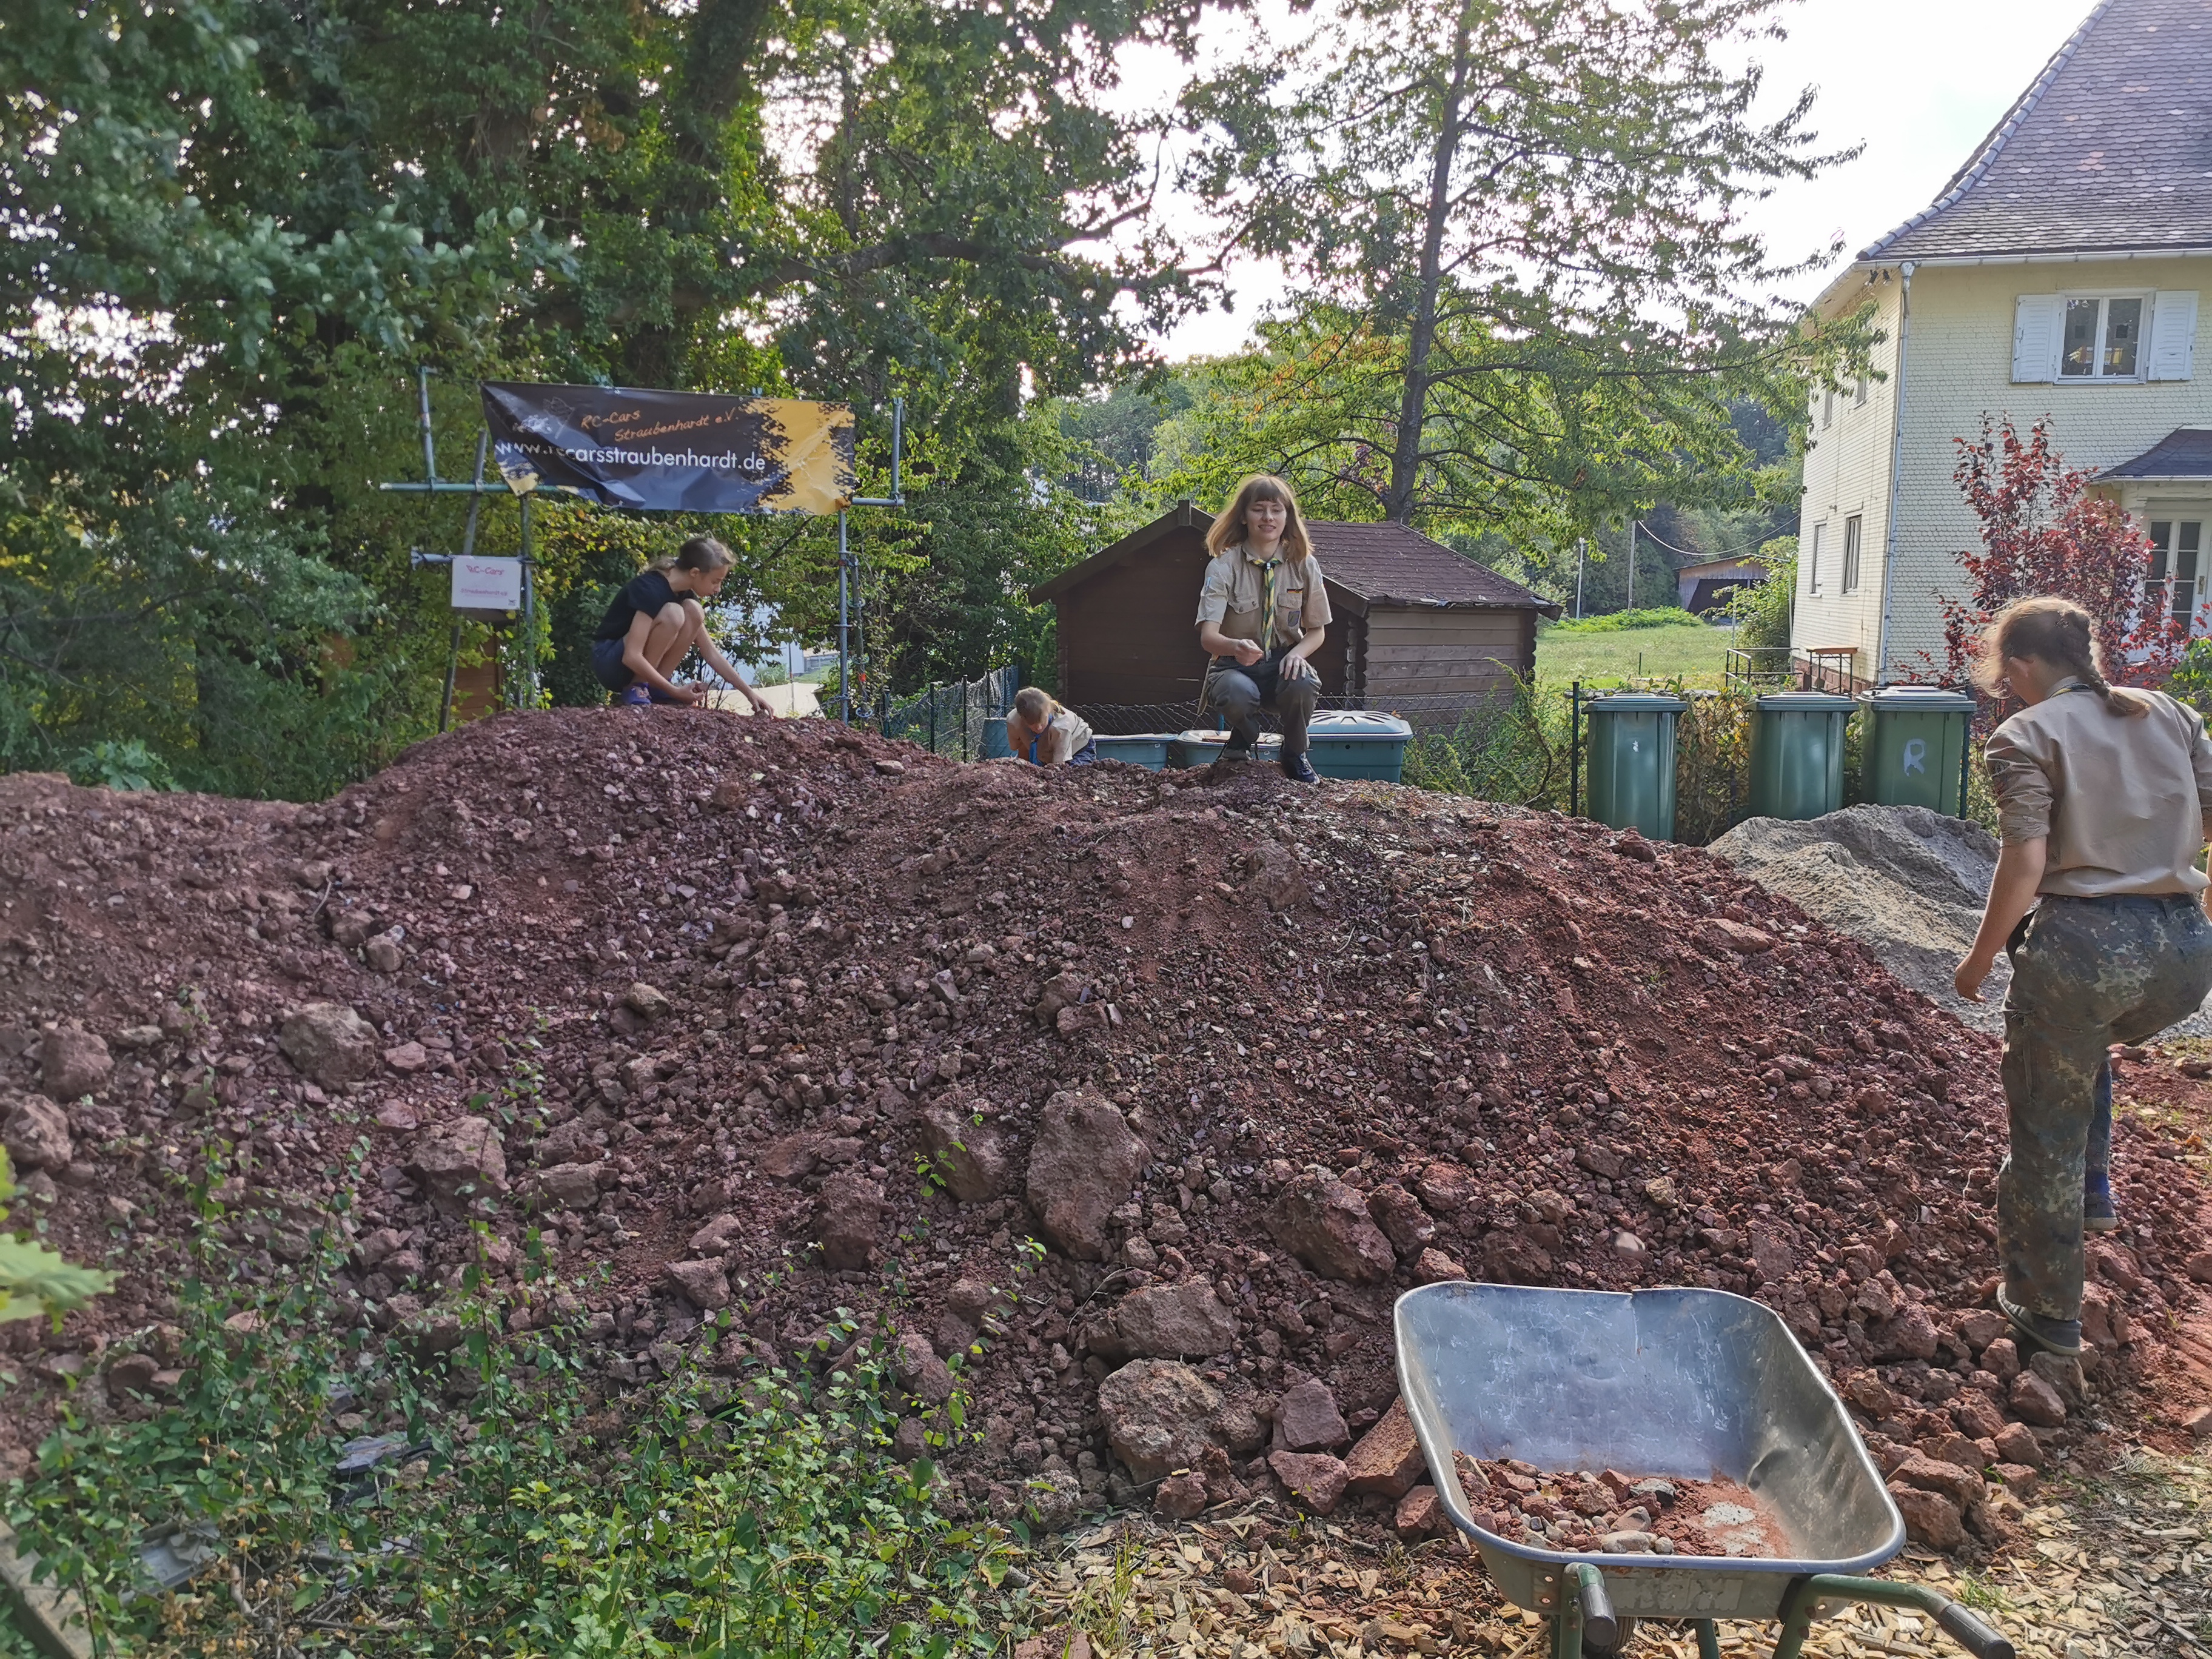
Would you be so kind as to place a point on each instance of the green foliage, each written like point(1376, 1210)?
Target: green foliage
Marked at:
point(2191, 680)
point(1761, 613)
point(1667, 616)
point(34, 1278)
point(127, 765)
point(1517, 752)
point(529, 1515)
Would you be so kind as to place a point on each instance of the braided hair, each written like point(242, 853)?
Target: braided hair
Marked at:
point(2058, 633)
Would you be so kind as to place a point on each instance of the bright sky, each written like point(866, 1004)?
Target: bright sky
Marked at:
point(1919, 82)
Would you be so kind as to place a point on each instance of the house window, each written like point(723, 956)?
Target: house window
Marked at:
point(1828, 408)
point(2103, 339)
point(1851, 554)
point(1812, 561)
point(2176, 576)
point(1864, 381)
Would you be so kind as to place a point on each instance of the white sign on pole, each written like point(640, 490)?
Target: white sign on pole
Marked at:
point(486, 584)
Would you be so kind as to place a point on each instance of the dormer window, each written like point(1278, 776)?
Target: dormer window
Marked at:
point(2103, 340)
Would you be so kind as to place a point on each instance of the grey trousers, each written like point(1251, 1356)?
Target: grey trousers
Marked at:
point(2086, 974)
point(1237, 694)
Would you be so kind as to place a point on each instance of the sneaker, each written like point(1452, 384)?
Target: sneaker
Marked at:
point(1232, 752)
point(636, 695)
point(2098, 1214)
point(2060, 1336)
point(1298, 770)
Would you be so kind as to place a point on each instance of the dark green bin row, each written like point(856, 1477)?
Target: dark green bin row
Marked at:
point(1913, 756)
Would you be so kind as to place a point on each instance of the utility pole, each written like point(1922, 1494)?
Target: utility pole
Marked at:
point(1632, 564)
point(1582, 553)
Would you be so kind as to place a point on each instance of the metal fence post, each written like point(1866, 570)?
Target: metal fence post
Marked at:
point(1575, 755)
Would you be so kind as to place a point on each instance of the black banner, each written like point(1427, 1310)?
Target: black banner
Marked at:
point(673, 451)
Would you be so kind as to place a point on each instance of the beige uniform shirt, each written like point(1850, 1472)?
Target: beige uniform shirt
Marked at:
point(1233, 598)
point(1064, 735)
point(2122, 801)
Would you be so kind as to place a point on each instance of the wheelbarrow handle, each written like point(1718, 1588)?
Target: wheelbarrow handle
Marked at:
point(1962, 1623)
point(1601, 1629)
point(1971, 1633)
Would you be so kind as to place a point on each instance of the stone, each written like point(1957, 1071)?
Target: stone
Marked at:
point(2064, 1374)
point(36, 1132)
point(328, 1043)
point(569, 1186)
point(1601, 1161)
point(1719, 931)
point(138, 1037)
point(2016, 1444)
point(1630, 1248)
point(794, 1157)
point(1420, 1513)
point(952, 1335)
point(73, 1063)
point(1981, 1327)
point(968, 1156)
point(1659, 1193)
point(1085, 1159)
point(1167, 1322)
point(2001, 1360)
point(1977, 1415)
point(1445, 1188)
point(397, 1115)
point(1308, 1419)
point(1932, 1519)
point(849, 1219)
point(1388, 1459)
point(1181, 1497)
point(382, 953)
point(1315, 1478)
point(1870, 1394)
point(910, 1440)
point(2199, 1266)
point(2034, 1401)
point(2198, 1424)
point(646, 1001)
point(133, 1373)
point(919, 1370)
point(1160, 1415)
point(702, 1283)
point(1963, 1486)
point(1325, 1223)
point(1771, 1254)
point(718, 1235)
point(1403, 1220)
point(972, 1299)
point(1435, 1267)
point(459, 1164)
point(408, 1058)
point(1909, 1334)
point(1509, 1256)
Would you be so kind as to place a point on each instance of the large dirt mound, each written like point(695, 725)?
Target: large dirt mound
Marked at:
point(1250, 1058)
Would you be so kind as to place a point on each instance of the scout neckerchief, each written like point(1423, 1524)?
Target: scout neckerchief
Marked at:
point(1268, 581)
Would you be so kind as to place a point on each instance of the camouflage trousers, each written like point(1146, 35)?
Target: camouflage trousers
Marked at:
point(2086, 974)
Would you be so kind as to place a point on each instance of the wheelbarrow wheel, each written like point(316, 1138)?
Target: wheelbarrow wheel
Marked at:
point(1624, 1628)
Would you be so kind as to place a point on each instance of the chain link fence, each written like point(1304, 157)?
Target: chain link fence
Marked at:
point(965, 719)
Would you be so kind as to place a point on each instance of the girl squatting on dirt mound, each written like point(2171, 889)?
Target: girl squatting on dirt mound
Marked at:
point(2104, 801)
point(1042, 733)
point(657, 621)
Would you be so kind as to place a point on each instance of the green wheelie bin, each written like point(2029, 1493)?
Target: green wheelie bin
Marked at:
point(1797, 754)
point(1915, 748)
point(1631, 760)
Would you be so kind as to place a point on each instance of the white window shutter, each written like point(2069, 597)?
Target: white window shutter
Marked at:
point(2036, 321)
point(2173, 334)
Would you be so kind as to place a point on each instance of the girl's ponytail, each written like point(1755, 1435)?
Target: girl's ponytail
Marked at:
point(2055, 631)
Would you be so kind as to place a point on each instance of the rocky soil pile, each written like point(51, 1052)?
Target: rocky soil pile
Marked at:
point(773, 1019)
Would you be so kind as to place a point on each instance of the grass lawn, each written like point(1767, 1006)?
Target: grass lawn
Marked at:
point(1695, 651)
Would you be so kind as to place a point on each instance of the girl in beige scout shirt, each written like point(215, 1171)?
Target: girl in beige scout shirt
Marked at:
point(2104, 802)
point(1261, 613)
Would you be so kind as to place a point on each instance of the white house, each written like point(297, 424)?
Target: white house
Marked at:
point(2057, 275)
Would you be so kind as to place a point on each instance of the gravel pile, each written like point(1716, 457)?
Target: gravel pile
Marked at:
point(760, 1021)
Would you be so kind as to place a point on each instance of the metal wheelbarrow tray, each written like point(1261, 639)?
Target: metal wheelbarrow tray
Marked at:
point(1688, 1383)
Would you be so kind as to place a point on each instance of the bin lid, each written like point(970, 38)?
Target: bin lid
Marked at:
point(1358, 723)
point(1805, 702)
point(1196, 735)
point(1916, 699)
point(1634, 702)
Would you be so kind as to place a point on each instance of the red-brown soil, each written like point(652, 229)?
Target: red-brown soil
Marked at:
point(1553, 1036)
point(1578, 1511)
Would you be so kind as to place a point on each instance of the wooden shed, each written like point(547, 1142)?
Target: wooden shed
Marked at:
point(1414, 620)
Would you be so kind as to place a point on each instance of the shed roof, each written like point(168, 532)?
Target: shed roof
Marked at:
point(2104, 152)
point(1387, 564)
point(2184, 452)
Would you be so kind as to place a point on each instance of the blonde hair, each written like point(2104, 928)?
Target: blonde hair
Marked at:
point(1036, 707)
point(1230, 529)
point(2056, 632)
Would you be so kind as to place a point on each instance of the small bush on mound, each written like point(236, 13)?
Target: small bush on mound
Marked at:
point(1660, 616)
point(518, 1513)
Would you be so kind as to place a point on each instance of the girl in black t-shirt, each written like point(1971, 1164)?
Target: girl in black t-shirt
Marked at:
point(657, 621)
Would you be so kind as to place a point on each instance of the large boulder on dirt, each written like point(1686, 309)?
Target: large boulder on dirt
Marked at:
point(568, 1186)
point(37, 1134)
point(330, 1043)
point(1325, 1223)
point(966, 1153)
point(1161, 1416)
point(850, 1219)
point(73, 1063)
point(1387, 1460)
point(1085, 1159)
point(1166, 1322)
point(702, 1283)
point(459, 1164)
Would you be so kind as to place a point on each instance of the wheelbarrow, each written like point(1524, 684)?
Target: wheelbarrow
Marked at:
point(1693, 1384)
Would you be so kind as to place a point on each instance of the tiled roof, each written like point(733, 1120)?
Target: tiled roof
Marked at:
point(2109, 150)
point(2184, 452)
point(1392, 564)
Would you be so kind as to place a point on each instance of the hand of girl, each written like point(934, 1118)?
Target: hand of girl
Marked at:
point(1971, 972)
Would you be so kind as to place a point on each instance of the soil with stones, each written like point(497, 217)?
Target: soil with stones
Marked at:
point(761, 1020)
point(1618, 1514)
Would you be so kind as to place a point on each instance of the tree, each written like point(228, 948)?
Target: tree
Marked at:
point(2042, 532)
point(1528, 289)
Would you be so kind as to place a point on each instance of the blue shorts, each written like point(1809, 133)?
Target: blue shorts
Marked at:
point(608, 666)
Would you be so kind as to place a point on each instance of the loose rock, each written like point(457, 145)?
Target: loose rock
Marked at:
point(1325, 1223)
point(1085, 1161)
point(330, 1043)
